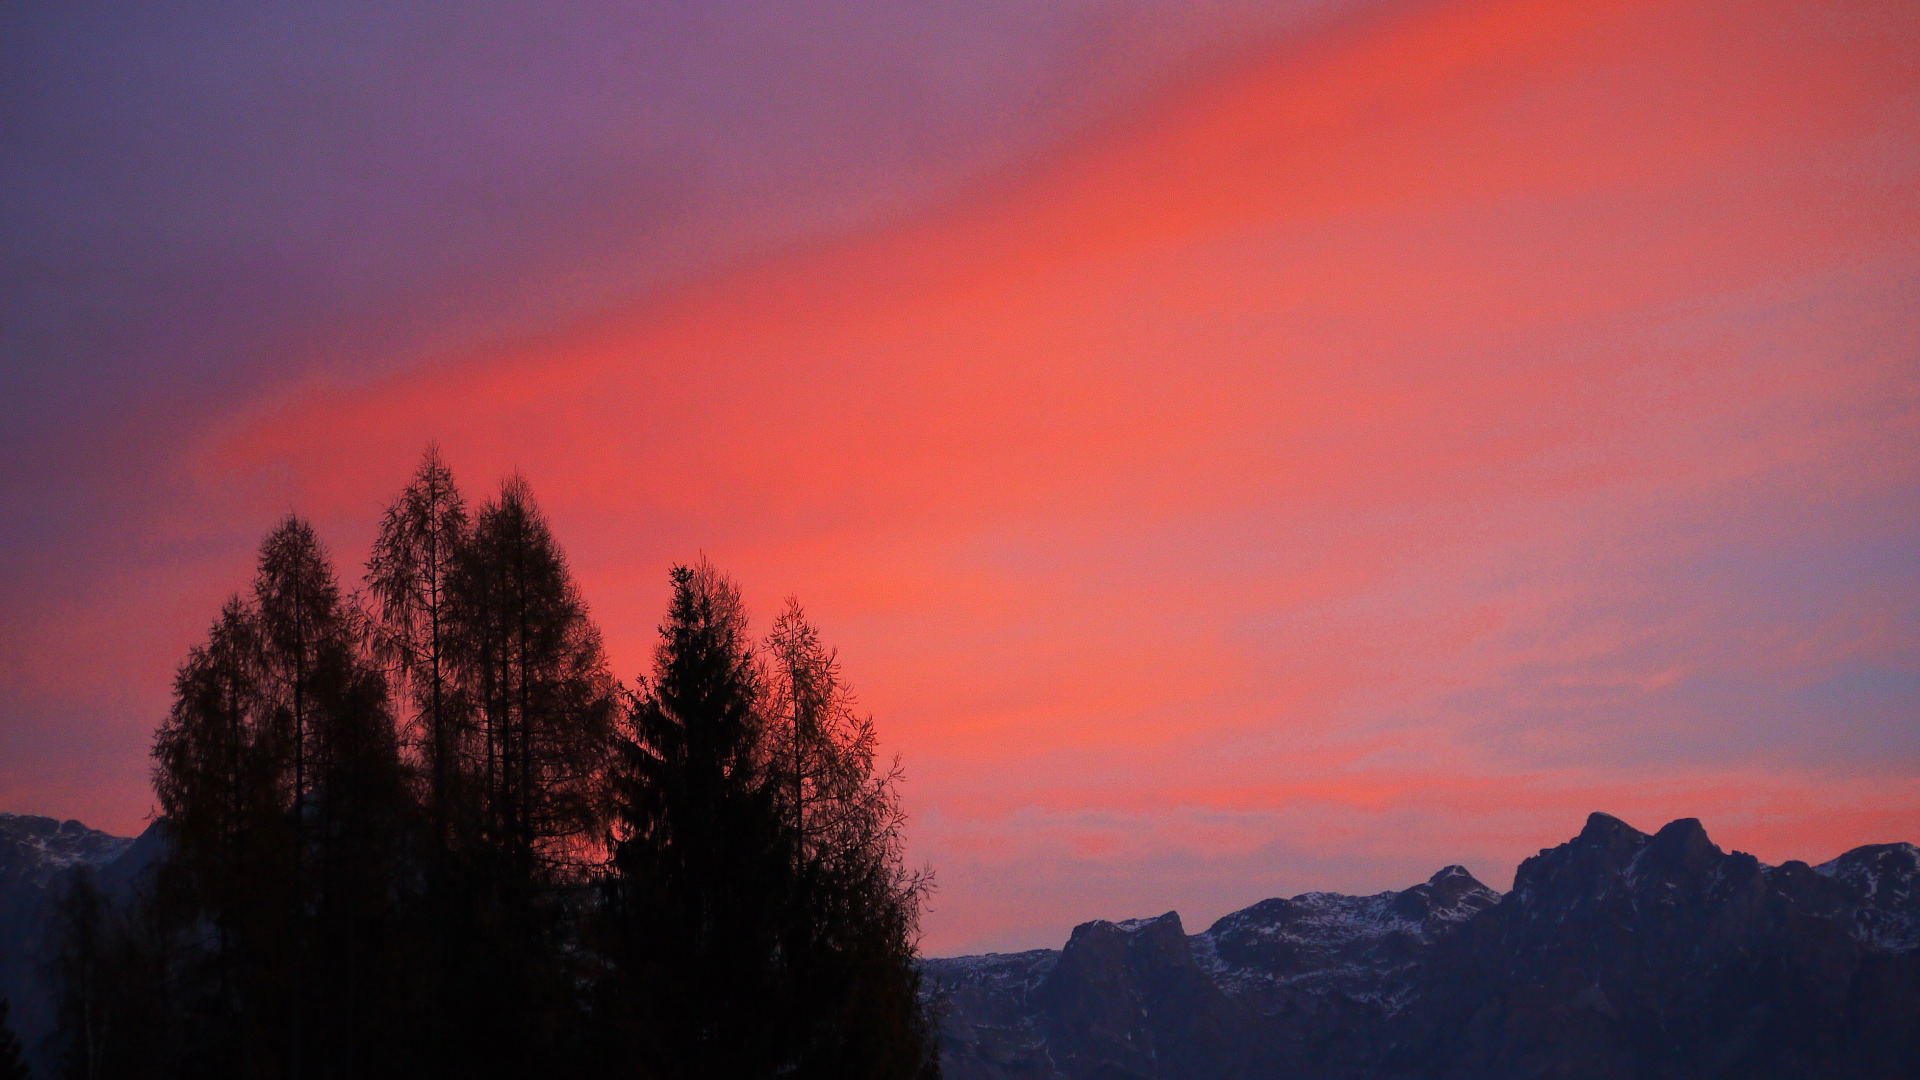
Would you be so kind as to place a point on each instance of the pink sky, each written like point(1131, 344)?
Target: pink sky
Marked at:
point(1367, 454)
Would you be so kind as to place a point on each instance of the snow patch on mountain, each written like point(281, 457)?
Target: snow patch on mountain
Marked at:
point(1885, 879)
point(34, 849)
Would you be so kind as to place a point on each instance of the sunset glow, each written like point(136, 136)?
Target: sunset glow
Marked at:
point(1372, 450)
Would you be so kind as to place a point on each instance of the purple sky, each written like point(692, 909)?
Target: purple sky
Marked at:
point(1247, 447)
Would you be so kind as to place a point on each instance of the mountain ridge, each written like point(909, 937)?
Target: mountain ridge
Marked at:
point(1618, 953)
point(39, 857)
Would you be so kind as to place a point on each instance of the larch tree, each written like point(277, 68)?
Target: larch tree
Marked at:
point(545, 694)
point(219, 777)
point(849, 974)
point(410, 575)
point(216, 777)
point(544, 701)
point(327, 707)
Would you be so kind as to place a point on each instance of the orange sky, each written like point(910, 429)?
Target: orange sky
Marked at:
point(1370, 454)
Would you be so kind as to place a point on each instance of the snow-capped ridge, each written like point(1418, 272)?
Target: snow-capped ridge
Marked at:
point(1884, 879)
point(37, 848)
point(1613, 924)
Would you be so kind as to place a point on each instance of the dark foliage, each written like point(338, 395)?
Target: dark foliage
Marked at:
point(758, 915)
point(698, 870)
point(535, 710)
point(848, 935)
point(424, 836)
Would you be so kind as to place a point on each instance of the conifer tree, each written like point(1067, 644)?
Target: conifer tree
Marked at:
point(366, 822)
point(715, 855)
point(351, 817)
point(697, 863)
point(411, 575)
point(302, 630)
point(545, 695)
point(532, 665)
point(218, 774)
point(759, 919)
point(278, 773)
point(848, 969)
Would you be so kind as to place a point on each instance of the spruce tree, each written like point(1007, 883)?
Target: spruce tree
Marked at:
point(697, 864)
point(759, 920)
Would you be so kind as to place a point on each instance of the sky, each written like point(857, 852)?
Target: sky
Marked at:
point(1237, 448)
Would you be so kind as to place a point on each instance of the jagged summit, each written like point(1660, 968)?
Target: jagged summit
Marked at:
point(1617, 953)
point(1129, 926)
point(1449, 896)
point(38, 856)
point(1141, 997)
point(1884, 881)
point(33, 849)
point(1323, 940)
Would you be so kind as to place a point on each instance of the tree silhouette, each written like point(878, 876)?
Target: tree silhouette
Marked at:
point(531, 663)
point(437, 838)
point(219, 764)
point(546, 696)
point(759, 920)
point(847, 950)
point(697, 863)
point(411, 575)
point(277, 771)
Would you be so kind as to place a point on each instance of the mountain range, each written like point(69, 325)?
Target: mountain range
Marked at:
point(1617, 954)
point(39, 856)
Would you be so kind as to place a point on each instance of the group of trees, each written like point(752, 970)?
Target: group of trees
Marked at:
point(423, 830)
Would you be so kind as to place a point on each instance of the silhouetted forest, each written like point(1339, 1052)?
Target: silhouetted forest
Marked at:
point(420, 829)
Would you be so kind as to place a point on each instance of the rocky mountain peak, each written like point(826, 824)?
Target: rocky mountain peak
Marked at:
point(1618, 953)
point(1136, 949)
point(1605, 832)
point(1877, 869)
point(1611, 863)
point(1451, 895)
point(1682, 842)
point(33, 849)
point(1883, 882)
